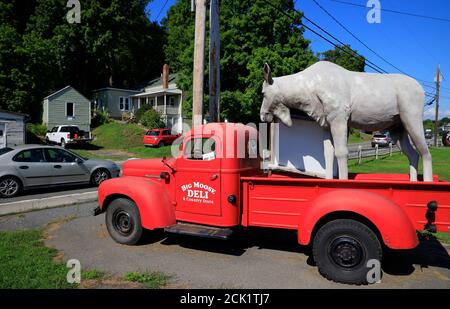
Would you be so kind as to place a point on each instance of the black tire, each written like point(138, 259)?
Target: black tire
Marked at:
point(47, 141)
point(99, 176)
point(124, 222)
point(63, 143)
point(161, 144)
point(10, 186)
point(342, 249)
point(373, 145)
point(446, 139)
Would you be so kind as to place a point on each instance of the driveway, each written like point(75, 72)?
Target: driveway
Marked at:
point(254, 259)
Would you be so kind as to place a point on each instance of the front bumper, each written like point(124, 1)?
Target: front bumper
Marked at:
point(96, 211)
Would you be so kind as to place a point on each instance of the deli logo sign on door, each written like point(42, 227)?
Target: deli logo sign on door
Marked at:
point(198, 192)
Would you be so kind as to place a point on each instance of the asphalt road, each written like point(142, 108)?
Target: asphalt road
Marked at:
point(253, 259)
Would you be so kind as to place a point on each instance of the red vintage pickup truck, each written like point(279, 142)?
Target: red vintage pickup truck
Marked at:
point(212, 189)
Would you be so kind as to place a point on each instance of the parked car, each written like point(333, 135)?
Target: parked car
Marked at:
point(64, 135)
point(159, 137)
point(428, 134)
point(381, 139)
point(28, 166)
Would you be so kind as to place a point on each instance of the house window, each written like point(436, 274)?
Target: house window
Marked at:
point(172, 101)
point(124, 103)
point(70, 109)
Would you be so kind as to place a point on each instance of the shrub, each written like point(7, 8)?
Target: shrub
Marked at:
point(151, 119)
point(99, 118)
point(144, 108)
point(37, 129)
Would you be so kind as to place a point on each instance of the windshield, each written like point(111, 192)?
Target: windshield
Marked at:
point(5, 150)
point(380, 135)
point(153, 133)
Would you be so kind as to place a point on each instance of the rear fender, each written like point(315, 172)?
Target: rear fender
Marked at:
point(393, 224)
point(155, 208)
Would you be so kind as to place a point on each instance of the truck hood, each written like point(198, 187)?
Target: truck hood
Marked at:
point(142, 167)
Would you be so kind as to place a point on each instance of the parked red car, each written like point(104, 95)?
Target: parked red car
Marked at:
point(159, 137)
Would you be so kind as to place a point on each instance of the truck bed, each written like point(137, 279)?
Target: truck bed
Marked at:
point(278, 200)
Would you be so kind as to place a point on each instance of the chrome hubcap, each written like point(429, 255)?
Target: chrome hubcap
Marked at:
point(100, 176)
point(8, 187)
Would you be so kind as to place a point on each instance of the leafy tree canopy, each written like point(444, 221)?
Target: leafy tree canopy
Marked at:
point(343, 56)
point(40, 52)
point(252, 33)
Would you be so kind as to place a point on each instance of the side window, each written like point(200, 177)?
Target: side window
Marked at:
point(32, 155)
point(166, 132)
point(64, 129)
point(70, 109)
point(200, 149)
point(59, 155)
point(54, 129)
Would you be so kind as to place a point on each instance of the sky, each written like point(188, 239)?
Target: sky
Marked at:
point(415, 45)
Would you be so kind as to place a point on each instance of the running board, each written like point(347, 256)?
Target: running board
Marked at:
point(199, 230)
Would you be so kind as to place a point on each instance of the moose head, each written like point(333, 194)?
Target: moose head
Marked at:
point(273, 98)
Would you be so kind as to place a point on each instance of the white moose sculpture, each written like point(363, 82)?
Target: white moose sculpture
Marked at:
point(337, 99)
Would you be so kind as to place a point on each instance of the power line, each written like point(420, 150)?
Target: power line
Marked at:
point(353, 54)
point(355, 37)
point(162, 8)
point(396, 12)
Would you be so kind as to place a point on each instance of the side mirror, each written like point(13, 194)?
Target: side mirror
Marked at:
point(78, 160)
point(48, 131)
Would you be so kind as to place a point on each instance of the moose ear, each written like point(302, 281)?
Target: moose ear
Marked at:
point(268, 74)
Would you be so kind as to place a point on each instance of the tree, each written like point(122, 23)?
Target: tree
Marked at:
point(252, 33)
point(343, 56)
point(40, 52)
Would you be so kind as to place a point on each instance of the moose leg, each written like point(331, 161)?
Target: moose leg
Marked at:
point(411, 153)
point(329, 158)
point(339, 133)
point(415, 131)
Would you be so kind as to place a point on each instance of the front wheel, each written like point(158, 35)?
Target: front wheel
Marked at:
point(161, 144)
point(124, 222)
point(99, 176)
point(342, 250)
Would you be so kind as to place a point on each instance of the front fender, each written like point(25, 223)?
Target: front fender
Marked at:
point(151, 198)
point(396, 229)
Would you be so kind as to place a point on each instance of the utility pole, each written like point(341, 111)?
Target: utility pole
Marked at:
point(436, 120)
point(199, 62)
point(214, 61)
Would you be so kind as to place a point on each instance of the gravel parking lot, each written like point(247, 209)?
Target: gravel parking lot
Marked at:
point(253, 259)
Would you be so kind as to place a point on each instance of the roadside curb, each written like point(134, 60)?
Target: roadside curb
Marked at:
point(47, 202)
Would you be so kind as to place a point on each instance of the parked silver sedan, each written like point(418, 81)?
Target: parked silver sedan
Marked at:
point(28, 166)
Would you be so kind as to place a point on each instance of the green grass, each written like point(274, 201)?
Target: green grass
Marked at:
point(116, 141)
point(92, 274)
point(115, 135)
point(398, 163)
point(26, 263)
point(358, 137)
point(151, 280)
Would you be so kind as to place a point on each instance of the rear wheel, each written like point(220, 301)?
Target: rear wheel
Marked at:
point(63, 143)
point(10, 186)
point(342, 249)
point(124, 222)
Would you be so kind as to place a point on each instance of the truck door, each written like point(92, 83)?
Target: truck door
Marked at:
point(198, 178)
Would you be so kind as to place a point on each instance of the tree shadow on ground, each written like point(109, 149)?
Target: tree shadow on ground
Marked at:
point(243, 239)
point(429, 252)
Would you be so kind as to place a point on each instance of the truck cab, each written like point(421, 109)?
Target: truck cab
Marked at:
point(215, 183)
